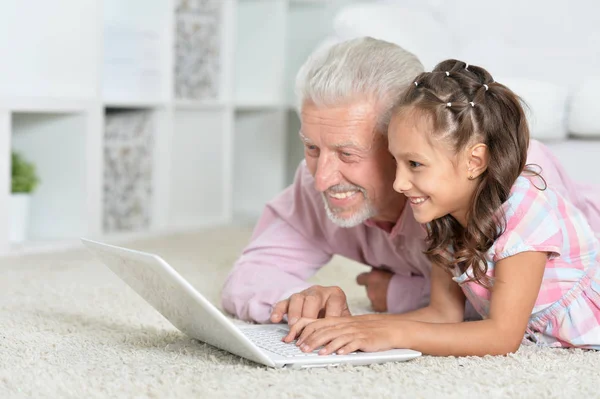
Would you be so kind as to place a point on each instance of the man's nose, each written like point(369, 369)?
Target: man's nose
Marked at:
point(326, 174)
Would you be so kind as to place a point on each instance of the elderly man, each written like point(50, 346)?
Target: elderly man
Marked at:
point(342, 201)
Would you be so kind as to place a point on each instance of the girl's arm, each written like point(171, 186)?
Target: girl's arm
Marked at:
point(516, 287)
point(446, 305)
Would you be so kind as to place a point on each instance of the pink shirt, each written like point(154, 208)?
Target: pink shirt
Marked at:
point(294, 238)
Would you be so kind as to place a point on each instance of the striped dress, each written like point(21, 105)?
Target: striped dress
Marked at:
point(567, 309)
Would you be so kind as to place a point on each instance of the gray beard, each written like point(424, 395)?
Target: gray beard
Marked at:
point(360, 216)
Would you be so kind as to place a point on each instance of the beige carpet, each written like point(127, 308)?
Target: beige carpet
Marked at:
point(70, 329)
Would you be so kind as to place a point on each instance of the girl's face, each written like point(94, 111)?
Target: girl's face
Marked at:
point(433, 178)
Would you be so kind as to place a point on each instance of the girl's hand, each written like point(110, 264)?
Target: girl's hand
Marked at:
point(347, 334)
point(300, 329)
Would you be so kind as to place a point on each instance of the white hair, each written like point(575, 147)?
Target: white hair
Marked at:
point(354, 70)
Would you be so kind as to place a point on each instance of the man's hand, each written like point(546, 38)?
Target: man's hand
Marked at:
point(376, 282)
point(314, 302)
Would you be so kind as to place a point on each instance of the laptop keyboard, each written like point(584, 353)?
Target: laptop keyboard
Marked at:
point(270, 339)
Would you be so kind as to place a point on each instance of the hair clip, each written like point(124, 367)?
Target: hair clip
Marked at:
point(447, 73)
point(472, 104)
point(486, 87)
point(417, 84)
point(448, 105)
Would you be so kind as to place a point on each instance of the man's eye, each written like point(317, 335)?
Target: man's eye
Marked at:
point(346, 154)
point(311, 150)
point(414, 164)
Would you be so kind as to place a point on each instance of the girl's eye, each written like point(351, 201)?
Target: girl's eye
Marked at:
point(414, 164)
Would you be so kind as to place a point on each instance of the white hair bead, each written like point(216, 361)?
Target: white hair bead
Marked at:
point(447, 73)
point(472, 104)
point(448, 105)
point(486, 87)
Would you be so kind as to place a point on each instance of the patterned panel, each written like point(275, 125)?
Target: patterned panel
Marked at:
point(197, 49)
point(128, 143)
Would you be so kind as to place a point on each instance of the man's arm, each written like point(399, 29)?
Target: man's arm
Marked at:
point(394, 293)
point(407, 293)
point(286, 248)
point(275, 264)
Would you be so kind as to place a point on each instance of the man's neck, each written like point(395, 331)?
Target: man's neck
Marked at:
point(388, 223)
point(385, 226)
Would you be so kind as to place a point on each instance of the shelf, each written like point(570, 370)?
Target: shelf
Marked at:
point(199, 105)
point(135, 105)
point(50, 105)
point(207, 83)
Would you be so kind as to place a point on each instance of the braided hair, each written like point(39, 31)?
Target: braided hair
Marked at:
point(466, 107)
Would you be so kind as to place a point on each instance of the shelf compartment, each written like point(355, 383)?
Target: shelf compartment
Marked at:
point(136, 51)
point(128, 170)
point(42, 56)
point(199, 173)
point(56, 144)
point(198, 43)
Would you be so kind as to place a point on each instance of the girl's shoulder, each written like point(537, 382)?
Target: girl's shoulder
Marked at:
point(530, 194)
point(532, 221)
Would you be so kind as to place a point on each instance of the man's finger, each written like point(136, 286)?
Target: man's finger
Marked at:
point(363, 278)
point(295, 308)
point(335, 305)
point(311, 307)
point(279, 310)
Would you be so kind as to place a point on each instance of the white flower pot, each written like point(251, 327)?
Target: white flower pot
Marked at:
point(18, 216)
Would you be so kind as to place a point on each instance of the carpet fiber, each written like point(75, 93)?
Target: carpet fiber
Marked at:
point(71, 328)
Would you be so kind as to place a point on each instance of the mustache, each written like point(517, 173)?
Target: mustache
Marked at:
point(342, 188)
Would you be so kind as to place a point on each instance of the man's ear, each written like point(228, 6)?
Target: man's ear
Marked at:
point(477, 160)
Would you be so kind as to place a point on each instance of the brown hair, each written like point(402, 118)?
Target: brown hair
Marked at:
point(466, 106)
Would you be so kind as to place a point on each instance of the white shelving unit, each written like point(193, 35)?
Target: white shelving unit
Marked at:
point(156, 115)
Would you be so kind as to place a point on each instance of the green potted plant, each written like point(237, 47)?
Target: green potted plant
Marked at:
point(24, 181)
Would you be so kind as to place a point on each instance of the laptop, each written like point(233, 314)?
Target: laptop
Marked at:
point(191, 313)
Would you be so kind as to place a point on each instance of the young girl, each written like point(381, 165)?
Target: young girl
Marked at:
point(523, 255)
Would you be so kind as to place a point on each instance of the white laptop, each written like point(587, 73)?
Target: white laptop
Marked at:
point(162, 287)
